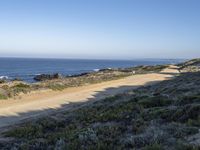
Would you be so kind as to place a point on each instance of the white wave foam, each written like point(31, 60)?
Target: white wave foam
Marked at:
point(96, 70)
point(4, 77)
point(37, 74)
point(32, 75)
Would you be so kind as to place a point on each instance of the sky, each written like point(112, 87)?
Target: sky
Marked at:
point(100, 29)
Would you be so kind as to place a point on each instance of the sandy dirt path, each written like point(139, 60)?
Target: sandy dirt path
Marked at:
point(37, 104)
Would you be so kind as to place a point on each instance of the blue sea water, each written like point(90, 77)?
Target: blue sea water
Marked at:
point(27, 68)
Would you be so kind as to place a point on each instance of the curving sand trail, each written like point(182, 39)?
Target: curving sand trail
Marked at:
point(42, 103)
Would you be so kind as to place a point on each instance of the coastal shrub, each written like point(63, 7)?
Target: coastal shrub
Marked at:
point(37, 129)
point(103, 113)
point(112, 98)
point(5, 87)
point(187, 112)
point(19, 88)
point(188, 100)
point(121, 111)
point(3, 96)
point(21, 85)
point(153, 147)
point(56, 87)
point(194, 122)
point(158, 113)
point(183, 146)
point(185, 131)
point(28, 131)
point(156, 101)
point(149, 69)
point(138, 125)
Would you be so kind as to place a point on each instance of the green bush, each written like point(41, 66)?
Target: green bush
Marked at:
point(57, 87)
point(21, 85)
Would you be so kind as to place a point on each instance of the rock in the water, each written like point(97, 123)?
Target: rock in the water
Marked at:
point(44, 77)
point(17, 79)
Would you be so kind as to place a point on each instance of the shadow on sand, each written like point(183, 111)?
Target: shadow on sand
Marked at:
point(8, 121)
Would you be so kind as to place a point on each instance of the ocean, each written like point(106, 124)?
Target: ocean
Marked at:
point(27, 68)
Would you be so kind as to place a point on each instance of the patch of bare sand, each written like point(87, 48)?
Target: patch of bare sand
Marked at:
point(37, 104)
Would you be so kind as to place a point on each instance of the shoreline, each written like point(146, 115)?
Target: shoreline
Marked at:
point(7, 79)
point(69, 67)
point(57, 82)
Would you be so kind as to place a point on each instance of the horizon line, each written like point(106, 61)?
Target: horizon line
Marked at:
point(22, 57)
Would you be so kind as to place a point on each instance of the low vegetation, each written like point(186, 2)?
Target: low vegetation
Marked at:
point(163, 116)
point(190, 66)
point(7, 91)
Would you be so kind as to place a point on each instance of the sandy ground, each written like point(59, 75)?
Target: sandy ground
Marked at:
point(37, 104)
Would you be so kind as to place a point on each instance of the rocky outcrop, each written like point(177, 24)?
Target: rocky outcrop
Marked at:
point(17, 79)
point(44, 77)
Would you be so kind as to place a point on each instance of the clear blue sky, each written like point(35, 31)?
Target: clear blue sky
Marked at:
point(114, 29)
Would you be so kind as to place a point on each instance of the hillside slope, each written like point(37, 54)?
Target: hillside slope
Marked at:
point(162, 116)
